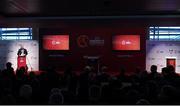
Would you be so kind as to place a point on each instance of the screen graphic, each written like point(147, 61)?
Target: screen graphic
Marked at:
point(126, 42)
point(56, 42)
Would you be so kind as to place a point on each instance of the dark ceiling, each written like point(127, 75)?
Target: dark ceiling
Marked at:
point(46, 8)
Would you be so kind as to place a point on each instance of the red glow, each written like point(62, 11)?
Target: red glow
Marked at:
point(171, 62)
point(56, 42)
point(21, 62)
point(126, 42)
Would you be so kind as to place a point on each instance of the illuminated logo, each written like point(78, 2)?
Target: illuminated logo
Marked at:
point(56, 42)
point(124, 42)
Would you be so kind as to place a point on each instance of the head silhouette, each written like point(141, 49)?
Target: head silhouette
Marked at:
point(8, 65)
point(153, 69)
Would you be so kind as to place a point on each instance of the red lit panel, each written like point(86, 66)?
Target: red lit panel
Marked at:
point(126, 42)
point(56, 42)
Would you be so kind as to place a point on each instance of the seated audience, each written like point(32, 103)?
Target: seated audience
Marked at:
point(89, 87)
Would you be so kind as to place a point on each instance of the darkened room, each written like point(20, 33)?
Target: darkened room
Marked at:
point(90, 52)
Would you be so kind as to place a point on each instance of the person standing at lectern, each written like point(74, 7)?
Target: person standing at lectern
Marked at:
point(21, 60)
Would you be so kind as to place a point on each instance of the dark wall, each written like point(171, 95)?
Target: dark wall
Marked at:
point(113, 59)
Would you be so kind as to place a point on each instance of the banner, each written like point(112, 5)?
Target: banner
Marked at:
point(9, 51)
point(162, 53)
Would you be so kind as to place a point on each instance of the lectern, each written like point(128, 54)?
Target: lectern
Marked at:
point(21, 61)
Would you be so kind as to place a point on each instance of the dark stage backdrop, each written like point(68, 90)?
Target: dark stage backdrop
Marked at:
point(93, 41)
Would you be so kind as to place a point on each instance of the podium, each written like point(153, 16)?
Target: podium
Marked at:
point(93, 61)
point(21, 61)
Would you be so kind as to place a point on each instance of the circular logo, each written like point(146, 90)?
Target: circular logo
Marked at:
point(83, 41)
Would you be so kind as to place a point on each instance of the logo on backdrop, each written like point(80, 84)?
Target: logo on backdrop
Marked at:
point(159, 51)
point(10, 51)
point(160, 65)
point(96, 41)
point(124, 42)
point(170, 51)
point(33, 44)
point(84, 41)
point(34, 57)
point(56, 42)
point(151, 58)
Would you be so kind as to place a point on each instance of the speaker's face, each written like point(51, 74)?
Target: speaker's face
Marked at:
point(23, 52)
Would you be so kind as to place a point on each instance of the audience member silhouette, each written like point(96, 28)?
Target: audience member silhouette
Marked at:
point(56, 97)
point(9, 71)
point(89, 87)
point(103, 75)
point(154, 74)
